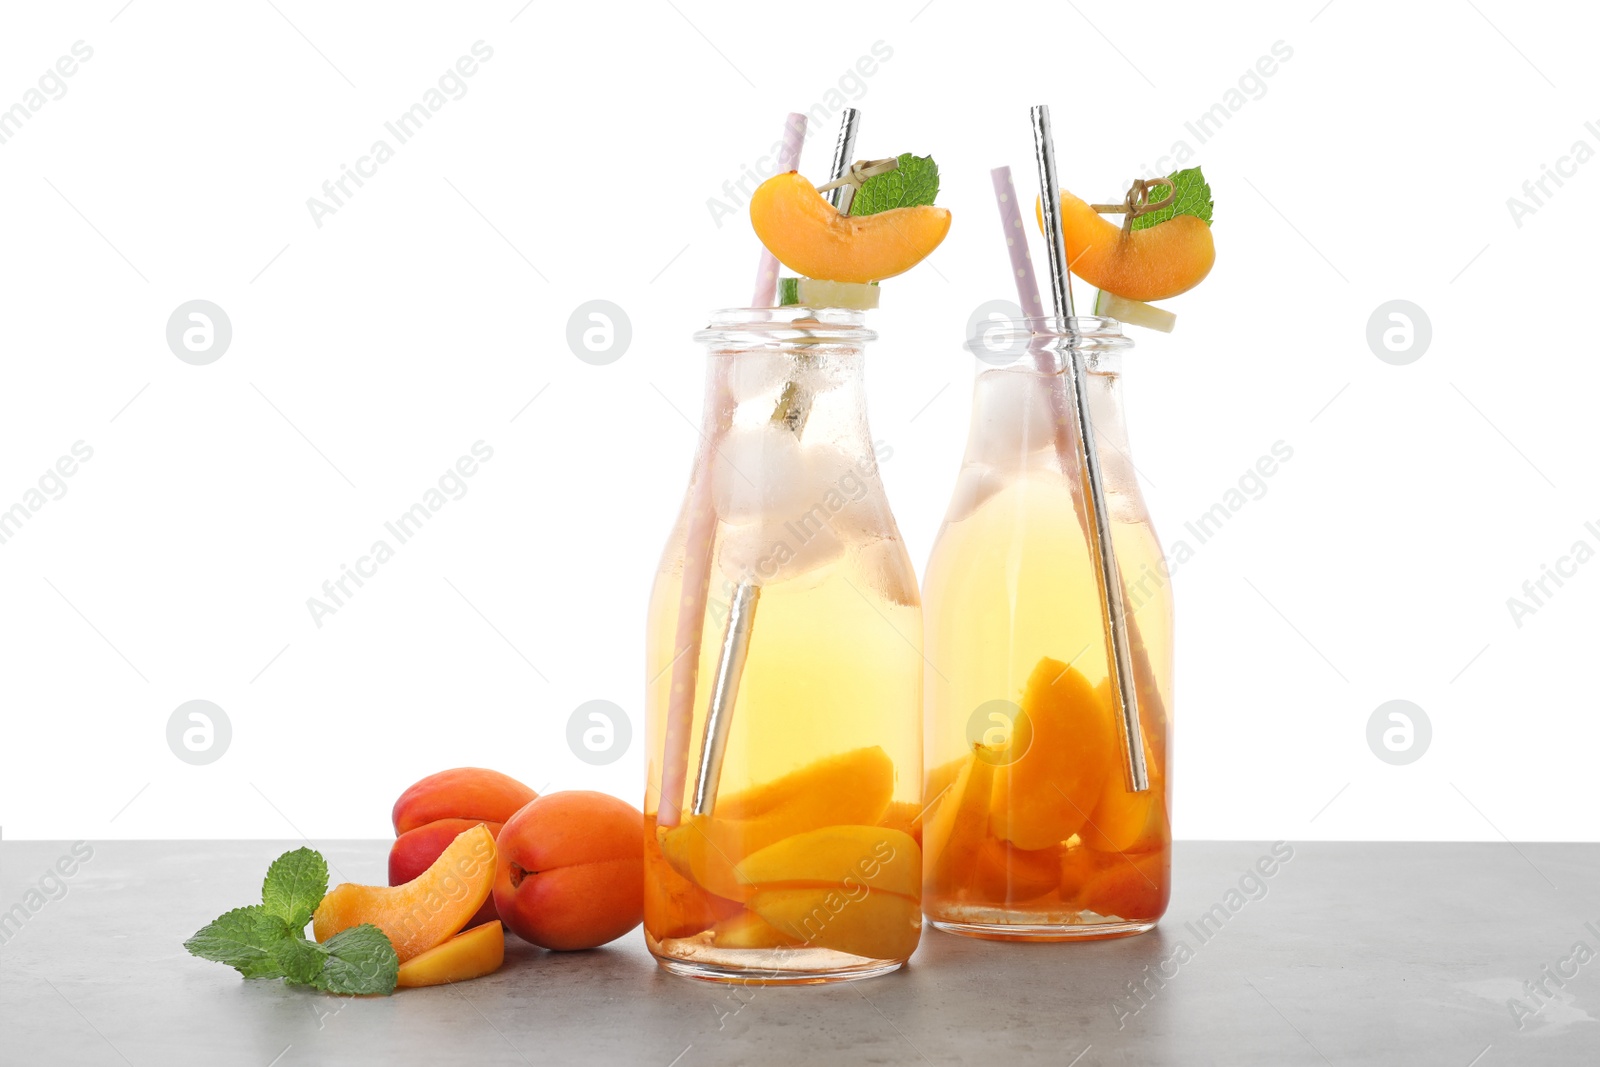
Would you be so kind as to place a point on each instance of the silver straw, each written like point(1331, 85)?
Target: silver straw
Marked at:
point(725, 690)
point(843, 150)
point(742, 612)
point(1112, 611)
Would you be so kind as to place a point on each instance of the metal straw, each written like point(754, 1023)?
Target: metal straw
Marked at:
point(843, 150)
point(725, 690)
point(742, 612)
point(1112, 611)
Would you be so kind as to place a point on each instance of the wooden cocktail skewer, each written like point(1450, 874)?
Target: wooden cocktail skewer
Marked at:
point(1124, 692)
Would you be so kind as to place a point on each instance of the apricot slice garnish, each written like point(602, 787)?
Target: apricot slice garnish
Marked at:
point(425, 911)
point(469, 954)
point(1154, 263)
point(808, 235)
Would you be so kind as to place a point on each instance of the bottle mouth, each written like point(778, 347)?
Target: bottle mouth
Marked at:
point(755, 327)
point(1003, 343)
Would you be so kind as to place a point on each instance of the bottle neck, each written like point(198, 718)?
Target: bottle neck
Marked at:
point(798, 371)
point(1023, 399)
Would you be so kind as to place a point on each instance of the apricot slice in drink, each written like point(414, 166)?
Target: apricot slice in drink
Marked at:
point(905, 816)
point(673, 905)
point(1134, 889)
point(749, 930)
point(1154, 263)
point(853, 788)
point(1045, 796)
point(958, 828)
point(1122, 821)
point(426, 910)
point(808, 235)
point(862, 922)
point(469, 954)
point(1006, 874)
point(872, 856)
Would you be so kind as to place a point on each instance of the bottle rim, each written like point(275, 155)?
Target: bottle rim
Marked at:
point(794, 324)
point(1003, 343)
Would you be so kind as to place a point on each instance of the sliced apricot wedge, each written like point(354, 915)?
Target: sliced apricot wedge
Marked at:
point(863, 922)
point(470, 954)
point(1045, 796)
point(425, 911)
point(853, 788)
point(871, 856)
point(808, 235)
point(1154, 263)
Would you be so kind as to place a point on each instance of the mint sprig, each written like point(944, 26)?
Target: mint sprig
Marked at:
point(243, 939)
point(914, 183)
point(267, 940)
point(1191, 196)
point(295, 884)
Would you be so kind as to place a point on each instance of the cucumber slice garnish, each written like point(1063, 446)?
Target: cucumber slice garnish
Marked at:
point(857, 296)
point(1133, 312)
point(788, 292)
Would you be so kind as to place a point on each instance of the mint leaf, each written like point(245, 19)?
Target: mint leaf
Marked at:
point(1192, 196)
point(244, 939)
point(359, 960)
point(295, 884)
point(300, 960)
point(913, 183)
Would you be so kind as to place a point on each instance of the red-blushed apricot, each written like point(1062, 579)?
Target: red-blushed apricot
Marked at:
point(424, 912)
point(571, 870)
point(460, 793)
point(415, 851)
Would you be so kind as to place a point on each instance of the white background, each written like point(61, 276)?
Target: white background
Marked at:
point(423, 316)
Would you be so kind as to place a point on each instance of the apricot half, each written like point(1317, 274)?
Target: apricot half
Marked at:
point(426, 910)
point(469, 954)
point(808, 235)
point(1154, 263)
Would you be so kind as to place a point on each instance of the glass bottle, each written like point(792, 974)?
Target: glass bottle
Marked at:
point(1031, 830)
point(785, 675)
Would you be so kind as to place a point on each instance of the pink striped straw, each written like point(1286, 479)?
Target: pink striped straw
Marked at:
point(1005, 196)
point(794, 138)
point(701, 539)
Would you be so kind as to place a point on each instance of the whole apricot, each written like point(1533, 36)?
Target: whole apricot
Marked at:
point(460, 793)
point(571, 872)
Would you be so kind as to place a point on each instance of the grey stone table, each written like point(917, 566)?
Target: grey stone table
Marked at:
point(1456, 954)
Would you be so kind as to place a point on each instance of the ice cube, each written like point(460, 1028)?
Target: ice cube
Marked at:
point(759, 472)
point(772, 552)
point(1012, 417)
point(976, 483)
